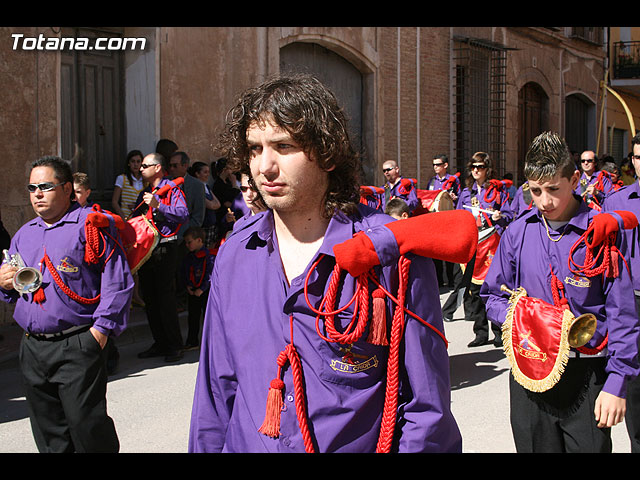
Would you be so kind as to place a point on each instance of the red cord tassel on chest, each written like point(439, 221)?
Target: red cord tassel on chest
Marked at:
point(95, 229)
point(357, 257)
point(602, 257)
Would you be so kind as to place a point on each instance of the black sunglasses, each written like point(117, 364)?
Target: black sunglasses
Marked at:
point(147, 165)
point(479, 166)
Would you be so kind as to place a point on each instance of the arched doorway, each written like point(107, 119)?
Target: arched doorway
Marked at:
point(533, 119)
point(343, 79)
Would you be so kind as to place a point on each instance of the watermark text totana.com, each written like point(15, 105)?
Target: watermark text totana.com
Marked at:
point(22, 42)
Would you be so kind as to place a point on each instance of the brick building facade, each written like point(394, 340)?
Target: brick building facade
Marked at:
point(411, 92)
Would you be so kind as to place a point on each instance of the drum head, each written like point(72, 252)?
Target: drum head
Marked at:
point(445, 202)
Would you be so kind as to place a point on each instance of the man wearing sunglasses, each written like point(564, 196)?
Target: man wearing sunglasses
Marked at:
point(594, 184)
point(397, 186)
point(157, 275)
point(443, 179)
point(69, 318)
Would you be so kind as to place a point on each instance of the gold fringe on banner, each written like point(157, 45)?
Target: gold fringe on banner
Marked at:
point(533, 385)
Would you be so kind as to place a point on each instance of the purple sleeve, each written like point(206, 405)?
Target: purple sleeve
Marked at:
point(215, 390)
point(427, 424)
point(177, 210)
point(112, 312)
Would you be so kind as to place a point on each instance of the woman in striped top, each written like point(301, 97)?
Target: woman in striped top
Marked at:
point(128, 185)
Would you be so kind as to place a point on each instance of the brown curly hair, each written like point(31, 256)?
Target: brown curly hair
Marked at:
point(309, 112)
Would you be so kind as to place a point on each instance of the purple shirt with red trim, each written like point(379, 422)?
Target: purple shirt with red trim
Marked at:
point(404, 189)
point(65, 245)
point(436, 183)
point(247, 325)
point(628, 198)
point(493, 200)
point(196, 269)
point(168, 217)
point(525, 257)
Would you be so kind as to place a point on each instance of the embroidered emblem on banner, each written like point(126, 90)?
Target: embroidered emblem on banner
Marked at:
point(528, 349)
point(66, 266)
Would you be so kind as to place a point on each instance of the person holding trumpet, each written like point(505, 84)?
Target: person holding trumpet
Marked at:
point(77, 296)
point(559, 272)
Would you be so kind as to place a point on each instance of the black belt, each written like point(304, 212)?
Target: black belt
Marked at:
point(59, 335)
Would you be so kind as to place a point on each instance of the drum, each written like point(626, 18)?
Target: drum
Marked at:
point(435, 200)
point(139, 238)
point(488, 240)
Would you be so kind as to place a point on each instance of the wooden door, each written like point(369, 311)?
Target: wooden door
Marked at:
point(92, 123)
point(341, 77)
point(532, 120)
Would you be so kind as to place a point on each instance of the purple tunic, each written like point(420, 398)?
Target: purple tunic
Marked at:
point(247, 325)
point(498, 202)
point(167, 217)
point(408, 195)
point(65, 245)
point(196, 268)
point(628, 198)
point(435, 183)
point(524, 259)
point(518, 204)
point(600, 194)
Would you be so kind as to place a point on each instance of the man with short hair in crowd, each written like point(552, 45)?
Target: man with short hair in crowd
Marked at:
point(80, 303)
point(158, 274)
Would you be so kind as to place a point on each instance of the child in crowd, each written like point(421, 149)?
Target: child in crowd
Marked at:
point(397, 208)
point(82, 188)
point(196, 272)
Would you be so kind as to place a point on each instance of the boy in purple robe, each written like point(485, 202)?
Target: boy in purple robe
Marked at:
point(546, 252)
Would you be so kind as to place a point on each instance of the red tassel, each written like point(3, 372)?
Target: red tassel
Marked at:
point(612, 271)
point(271, 424)
point(378, 329)
point(38, 295)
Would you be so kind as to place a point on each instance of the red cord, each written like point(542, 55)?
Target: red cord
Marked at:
point(70, 293)
point(390, 410)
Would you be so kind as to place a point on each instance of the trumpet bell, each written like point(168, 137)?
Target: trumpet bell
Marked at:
point(582, 329)
point(27, 280)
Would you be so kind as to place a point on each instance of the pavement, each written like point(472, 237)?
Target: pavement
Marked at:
point(150, 400)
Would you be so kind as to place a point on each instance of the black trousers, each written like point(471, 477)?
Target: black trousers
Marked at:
point(66, 383)
point(158, 288)
point(460, 284)
point(475, 311)
point(561, 420)
point(197, 307)
point(443, 267)
point(632, 417)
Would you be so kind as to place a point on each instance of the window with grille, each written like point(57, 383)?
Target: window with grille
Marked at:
point(479, 101)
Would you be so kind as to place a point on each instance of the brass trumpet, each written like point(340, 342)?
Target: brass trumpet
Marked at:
point(26, 279)
point(581, 330)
